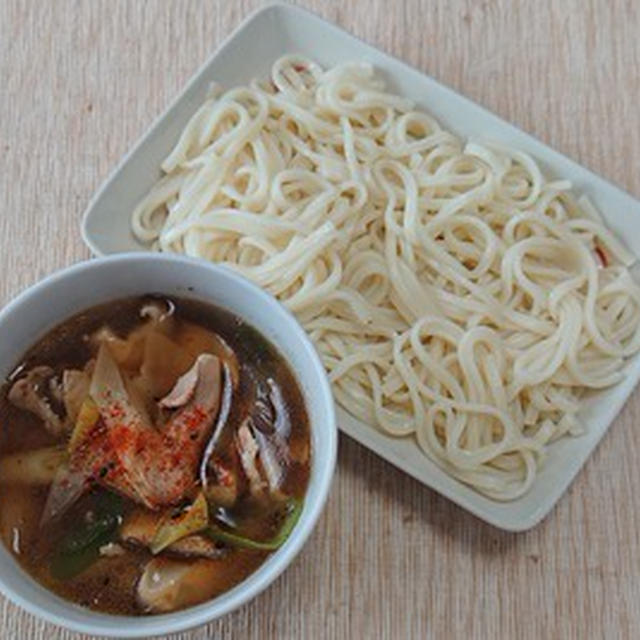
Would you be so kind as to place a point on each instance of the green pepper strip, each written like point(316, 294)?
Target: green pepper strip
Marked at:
point(81, 548)
point(260, 545)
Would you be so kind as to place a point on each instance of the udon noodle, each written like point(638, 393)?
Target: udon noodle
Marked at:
point(454, 293)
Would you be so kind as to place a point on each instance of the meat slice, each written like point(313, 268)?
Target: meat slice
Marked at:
point(28, 393)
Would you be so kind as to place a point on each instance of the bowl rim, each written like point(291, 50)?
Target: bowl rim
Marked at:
point(103, 624)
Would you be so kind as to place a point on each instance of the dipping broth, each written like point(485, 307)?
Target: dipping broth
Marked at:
point(153, 453)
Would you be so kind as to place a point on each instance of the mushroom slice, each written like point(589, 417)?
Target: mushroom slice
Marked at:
point(196, 546)
point(248, 450)
point(182, 391)
point(26, 393)
point(272, 426)
point(160, 314)
point(167, 584)
point(196, 340)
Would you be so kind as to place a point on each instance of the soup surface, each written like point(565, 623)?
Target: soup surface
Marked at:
point(153, 453)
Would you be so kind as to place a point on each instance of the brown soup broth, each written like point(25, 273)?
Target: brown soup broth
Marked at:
point(109, 583)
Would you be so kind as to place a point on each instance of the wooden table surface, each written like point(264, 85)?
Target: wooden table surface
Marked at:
point(80, 81)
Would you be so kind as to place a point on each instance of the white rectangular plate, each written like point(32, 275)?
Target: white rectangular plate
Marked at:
point(248, 53)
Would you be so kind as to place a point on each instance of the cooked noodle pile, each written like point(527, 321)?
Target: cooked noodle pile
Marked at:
point(452, 291)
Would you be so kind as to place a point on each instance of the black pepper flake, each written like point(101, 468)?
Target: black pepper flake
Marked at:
point(180, 508)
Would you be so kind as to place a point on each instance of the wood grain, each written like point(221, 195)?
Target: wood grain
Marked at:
point(389, 559)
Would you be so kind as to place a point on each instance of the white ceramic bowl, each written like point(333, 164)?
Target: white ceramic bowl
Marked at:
point(83, 285)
